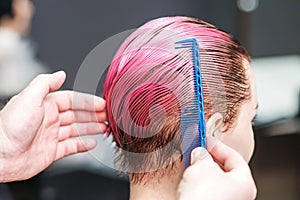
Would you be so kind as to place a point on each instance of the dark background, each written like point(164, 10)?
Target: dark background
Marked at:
point(67, 30)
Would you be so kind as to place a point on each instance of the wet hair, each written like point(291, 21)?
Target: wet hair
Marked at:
point(6, 8)
point(147, 84)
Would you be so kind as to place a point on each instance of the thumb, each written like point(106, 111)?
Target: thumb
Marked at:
point(228, 157)
point(40, 87)
point(200, 154)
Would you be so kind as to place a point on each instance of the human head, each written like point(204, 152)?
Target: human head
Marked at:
point(16, 14)
point(6, 8)
point(147, 71)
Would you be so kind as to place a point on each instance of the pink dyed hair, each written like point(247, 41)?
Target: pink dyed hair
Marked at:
point(148, 71)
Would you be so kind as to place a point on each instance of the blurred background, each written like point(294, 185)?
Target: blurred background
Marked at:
point(62, 34)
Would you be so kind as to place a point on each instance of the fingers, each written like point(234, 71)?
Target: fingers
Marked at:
point(39, 88)
point(202, 166)
point(200, 154)
point(70, 100)
point(70, 117)
point(228, 158)
point(69, 147)
point(236, 167)
point(80, 129)
point(201, 162)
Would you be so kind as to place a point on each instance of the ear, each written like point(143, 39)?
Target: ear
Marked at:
point(214, 125)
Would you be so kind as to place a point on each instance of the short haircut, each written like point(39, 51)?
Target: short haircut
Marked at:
point(145, 72)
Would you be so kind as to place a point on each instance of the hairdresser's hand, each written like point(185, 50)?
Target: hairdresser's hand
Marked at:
point(39, 126)
point(205, 179)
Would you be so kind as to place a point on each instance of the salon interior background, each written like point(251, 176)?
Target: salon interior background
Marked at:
point(67, 30)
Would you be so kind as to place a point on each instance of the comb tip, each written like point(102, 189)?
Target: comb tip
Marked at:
point(187, 43)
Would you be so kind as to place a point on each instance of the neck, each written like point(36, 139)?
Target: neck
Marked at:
point(159, 186)
point(18, 26)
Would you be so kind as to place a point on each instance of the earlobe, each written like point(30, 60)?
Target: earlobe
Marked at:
point(214, 125)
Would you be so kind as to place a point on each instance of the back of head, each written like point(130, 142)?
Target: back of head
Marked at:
point(6, 8)
point(148, 82)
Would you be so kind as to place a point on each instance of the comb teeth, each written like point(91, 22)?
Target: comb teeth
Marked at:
point(192, 119)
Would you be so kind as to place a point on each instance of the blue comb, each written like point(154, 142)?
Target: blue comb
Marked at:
point(192, 119)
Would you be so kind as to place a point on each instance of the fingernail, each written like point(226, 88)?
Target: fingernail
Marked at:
point(59, 73)
point(199, 153)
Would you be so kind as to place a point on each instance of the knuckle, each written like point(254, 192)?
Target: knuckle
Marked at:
point(41, 77)
point(15, 98)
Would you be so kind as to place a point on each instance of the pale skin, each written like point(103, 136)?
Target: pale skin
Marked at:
point(240, 138)
point(225, 171)
point(39, 126)
point(230, 179)
point(49, 120)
